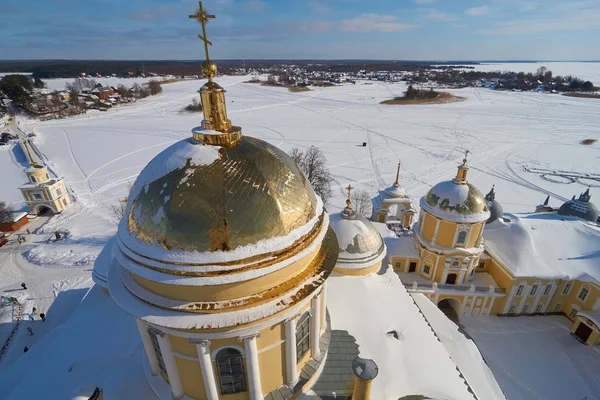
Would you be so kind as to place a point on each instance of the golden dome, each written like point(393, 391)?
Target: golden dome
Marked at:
point(456, 202)
point(197, 198)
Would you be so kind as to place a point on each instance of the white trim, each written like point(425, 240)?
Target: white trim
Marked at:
point(148, 348)
point(252, 368)
point(436, 230)
point(271, 347)
point(315, 327)
point(587, 296)
point(291, 355)
point(164, 343)
point(186, 356)
point(568, 292)
point(213, 354)
point(206, 367)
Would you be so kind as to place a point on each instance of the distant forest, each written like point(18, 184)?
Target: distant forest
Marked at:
point(73, 68)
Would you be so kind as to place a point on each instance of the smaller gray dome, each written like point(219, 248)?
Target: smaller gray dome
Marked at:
point(493, 206)
point(580, 208)
point(360, 244)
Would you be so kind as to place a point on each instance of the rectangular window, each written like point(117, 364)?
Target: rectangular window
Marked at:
point(572, 313)
point(426, 269)
point(398, 265)
point(231, 371)
point(302, 336)
point(547, 290)
point(512, 309)
point(481, 265)
point(538, 309)
point(412, 267)
point(156, 347)
point(58, 192)
point(525, 308)
point(520, 290)
point(583, 294)
point(534, 290)
point(558, 307)
point(37, 196)
point(567, 288)
point(461, 238)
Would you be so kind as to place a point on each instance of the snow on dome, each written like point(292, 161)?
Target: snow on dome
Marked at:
point(194, 198)
point(360, 244)
point(395, 191)
point(581, 208)
point(456, 202)
point(545, 245)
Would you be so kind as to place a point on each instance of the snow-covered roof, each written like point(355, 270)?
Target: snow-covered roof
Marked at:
point(545, 245)
point(462, 203)
point(592, 316)
point(407, 364)
point(395, 191)
point(403, 246)
point(360, 244)
point(103, 263)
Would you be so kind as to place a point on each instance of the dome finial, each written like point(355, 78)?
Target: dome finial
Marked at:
point(349, 201)
point(491, 196)
point(348, 212)
point(397, 181)
point(216, 128)
point(461, 174)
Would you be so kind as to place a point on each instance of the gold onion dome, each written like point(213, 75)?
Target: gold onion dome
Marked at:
point(456, 200)
point(219, 190)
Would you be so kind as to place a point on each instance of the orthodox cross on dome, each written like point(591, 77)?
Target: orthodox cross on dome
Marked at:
point(203, 17)
point(461, 174)
point(466, 155)
point(349, 189)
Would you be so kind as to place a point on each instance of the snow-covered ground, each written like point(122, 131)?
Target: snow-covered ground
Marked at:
point(12, 175)
point(60, 83)
point(100, 155)
point(536, 358)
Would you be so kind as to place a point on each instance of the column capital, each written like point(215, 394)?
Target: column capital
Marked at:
point(199, 342)
point(291, 318)
point(249, 337)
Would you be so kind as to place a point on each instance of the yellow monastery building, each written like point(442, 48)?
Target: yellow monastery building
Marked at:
point(43, 192)
point(464, 253)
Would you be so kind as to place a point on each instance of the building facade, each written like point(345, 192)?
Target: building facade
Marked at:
point(43, 192)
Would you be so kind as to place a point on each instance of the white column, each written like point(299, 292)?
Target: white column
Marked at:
point(513, 290)
point(252, 367)
point(435, 232)
point(291, 353)
point(172, 372)
point(324, 307)
point(315, 327)
point(148, 348)
point(206, 366)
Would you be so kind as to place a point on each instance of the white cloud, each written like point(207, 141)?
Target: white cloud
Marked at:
point(441, 16)
point(477, 11)
point(373, 22)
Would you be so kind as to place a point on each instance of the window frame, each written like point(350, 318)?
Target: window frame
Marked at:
point(547, 290)
point(558, 306)
point(567, 289)
point(37, 196)
point(426, 269)
point(235, 376)
point(466, 237)
point(525, 309)
point(534, 289)
point(520, 290)
point(33, 180)
point(303, 336)
point(585, 295)
point(573, 312)
point(156, 347)
point(512, 309)
point(539, 307)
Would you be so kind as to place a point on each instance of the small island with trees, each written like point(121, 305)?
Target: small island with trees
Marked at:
point(421, 96)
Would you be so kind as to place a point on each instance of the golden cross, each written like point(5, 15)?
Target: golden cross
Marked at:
point(397, 174)
point(466, 155)
point(349, 189)
point(202, 17)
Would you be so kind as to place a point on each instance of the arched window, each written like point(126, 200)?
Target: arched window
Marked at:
point(231, 371)
point(156, 347)
point(32, 178)
point(302, 335)
point(461, 239)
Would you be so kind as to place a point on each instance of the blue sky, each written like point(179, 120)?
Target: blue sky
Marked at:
point(320, 29)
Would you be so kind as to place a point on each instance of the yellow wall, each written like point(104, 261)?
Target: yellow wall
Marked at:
point(191, 378)
point(571, 300)
point(358, 272)
point(429, 223)
point(594, 338)
point(446, 232)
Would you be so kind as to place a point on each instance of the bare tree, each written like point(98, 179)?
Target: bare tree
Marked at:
point(154, 87)
point(313, 164)
point(5, 213)
point(361, 202)
point(79, 84)
point(118, 210)
point(123, 91)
